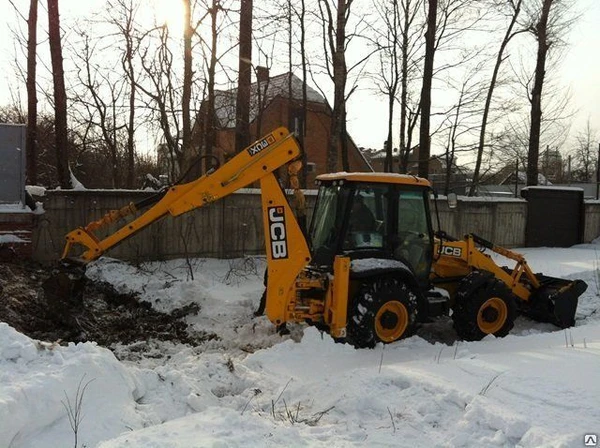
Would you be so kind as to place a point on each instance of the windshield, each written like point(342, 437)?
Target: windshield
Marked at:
point(327, 219)
point(367, 227)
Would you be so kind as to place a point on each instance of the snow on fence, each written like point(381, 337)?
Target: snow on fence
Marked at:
point(233, 227)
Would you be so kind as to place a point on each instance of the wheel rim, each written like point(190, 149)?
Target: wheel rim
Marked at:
point(391, 321)
point(492, 315)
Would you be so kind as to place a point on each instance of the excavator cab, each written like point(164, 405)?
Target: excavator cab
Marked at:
point(370, 216)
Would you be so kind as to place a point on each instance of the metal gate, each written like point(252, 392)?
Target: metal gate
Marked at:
point(555, 216)
point(12, 164)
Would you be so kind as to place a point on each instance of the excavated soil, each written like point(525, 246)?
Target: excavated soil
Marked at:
point(96, 312)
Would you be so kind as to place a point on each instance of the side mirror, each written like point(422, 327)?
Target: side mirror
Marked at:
point(452, 200)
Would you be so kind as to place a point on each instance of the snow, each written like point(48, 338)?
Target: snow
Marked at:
point(14, 208)
point(489, 199)
point(556, 188)
point(11, 238)
point(251, 387)
point(35, 190)
point(75, 182)
point(368, 264)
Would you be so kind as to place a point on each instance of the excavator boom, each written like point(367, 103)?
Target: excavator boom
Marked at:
point(257, 161)
point(287, 249)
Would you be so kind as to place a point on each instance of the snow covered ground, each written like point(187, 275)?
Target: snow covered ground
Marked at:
point(249, 387)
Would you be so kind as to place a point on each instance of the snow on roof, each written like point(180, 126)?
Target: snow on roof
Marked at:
point(546, 187)
point(277, 86)
point(489, 199)
point(7, 238)
point(14, 208)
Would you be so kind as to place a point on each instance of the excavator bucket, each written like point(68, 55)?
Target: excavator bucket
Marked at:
point(65, 284)
point(555, 301)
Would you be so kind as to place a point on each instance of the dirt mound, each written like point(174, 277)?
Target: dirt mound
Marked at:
point(96, 313)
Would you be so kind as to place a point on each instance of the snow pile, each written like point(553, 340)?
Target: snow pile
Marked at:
point(317, 393)
point(37, 378)
point(75, 183)
point(36, 190)
point(250, 387)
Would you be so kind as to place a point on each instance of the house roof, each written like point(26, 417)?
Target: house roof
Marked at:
point(225, 100)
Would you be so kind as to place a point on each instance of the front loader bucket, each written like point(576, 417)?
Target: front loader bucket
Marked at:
point(555, 301)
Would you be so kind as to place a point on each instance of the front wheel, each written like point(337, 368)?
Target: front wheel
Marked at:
point(490, 308)
point(383, 310)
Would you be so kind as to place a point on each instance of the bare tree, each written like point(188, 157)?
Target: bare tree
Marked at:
point(462, 120)
point(60, 96)
point(585, 154)
point(515, 8)
point(186, 97)
point(209, 111)
point(410, 45)
point(548, 22)
point(31, 141)
point(540, 31)
point(302, 24)
point(424, 137)
point(93, 79)
point(158, 86)
point(126, 28)
point(335, 42)
point(242, 116)
point(388, 76)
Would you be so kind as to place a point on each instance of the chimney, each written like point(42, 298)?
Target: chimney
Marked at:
point(262, 74)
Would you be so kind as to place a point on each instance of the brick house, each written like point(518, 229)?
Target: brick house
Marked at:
point(271, 107)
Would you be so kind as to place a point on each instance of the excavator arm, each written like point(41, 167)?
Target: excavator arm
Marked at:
point(256, 162)
point(287, 250)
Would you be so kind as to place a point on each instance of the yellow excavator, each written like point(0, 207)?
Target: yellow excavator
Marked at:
point(370, 268)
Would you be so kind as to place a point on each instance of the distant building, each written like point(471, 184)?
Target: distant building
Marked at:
point(551, 165)
point(437, 168)
point(271, 107)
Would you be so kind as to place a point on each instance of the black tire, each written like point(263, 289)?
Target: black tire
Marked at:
point(383, 310)
point(489, 308)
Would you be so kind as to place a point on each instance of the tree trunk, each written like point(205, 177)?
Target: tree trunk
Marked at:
point(131, 120)
point(186, 143)
point(304, 94)
point(242, 114)
point(541, 32)
point(337, 138)
point(424, 137)
point(388, 166)
point(209, 113)
point(488, 100)
point(404, 150)
point(60, 96)
point(31, 141)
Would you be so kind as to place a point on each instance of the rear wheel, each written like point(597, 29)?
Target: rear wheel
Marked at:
point(383, 310)
point(488, 309)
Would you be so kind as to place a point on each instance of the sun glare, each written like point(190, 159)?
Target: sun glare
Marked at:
point(170, 13)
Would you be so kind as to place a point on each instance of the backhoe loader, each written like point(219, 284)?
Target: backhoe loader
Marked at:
point(371, 267)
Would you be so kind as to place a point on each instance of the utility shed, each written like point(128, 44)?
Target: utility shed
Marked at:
point(555, 216)
point(12, 164)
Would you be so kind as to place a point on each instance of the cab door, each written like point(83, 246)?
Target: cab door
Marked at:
point(413, 235)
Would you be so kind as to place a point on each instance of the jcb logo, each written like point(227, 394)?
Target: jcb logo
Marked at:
point(259, 146)
point(451, 251)
point(277, 233)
